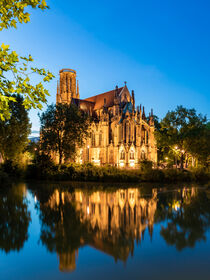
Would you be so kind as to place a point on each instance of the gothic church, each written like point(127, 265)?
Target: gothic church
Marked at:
point(120, 134)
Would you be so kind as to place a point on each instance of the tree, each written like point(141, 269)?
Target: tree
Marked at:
point(189, 224)
point(178, 130)
point(14, 219)
point(61, 226)
point(15, 70)
point(199, 145)
point(14, 132)
point(63, 128)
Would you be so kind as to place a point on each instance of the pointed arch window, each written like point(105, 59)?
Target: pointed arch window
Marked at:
point(100, 138)
point(93, 139)
point(122, 155)
point(142, 155)
point(111, 157)
point(131, 154)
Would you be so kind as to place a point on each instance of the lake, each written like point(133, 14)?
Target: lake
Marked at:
point(95, 231)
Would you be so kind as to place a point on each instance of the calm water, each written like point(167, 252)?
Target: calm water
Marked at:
point(60, 232)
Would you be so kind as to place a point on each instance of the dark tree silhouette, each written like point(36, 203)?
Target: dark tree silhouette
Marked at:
point(14, 220)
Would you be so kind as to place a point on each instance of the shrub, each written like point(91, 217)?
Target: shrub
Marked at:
point(12, 169)
point(200, 174)
point(153, 175)
point(170, 175)
point(42, 168)
point(4, 179)
point(145, 165)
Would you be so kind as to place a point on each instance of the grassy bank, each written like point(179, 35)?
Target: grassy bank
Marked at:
point(88, 172)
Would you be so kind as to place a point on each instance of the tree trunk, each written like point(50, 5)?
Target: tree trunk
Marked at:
point(186, 162)
point(60, 157)
point(182, 161)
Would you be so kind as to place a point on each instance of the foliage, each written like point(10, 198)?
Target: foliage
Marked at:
point(61, 228)
point(88, 172)
point(32, 149)
point(145, 165)
point(13, 169)
point(180, 134)
point(42, 168)
point(4, 179)
point(63, 128)
point(153, 175)
point(15, 70)
point(14, 132)
point(199, 145)
point(188, 222)
point(200, 174)
point(14, 219)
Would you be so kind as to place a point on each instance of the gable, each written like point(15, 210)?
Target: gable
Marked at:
point(125, 95)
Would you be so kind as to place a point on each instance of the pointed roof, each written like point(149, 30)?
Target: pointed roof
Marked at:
point(99, 99)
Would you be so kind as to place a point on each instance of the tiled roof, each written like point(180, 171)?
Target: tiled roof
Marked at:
point(85, 105)
point(99, 99)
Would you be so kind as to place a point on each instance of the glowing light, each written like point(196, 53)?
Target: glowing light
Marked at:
point(176, 206)
point(122, 164)
point(88, 210)
point(166, 158)
point(88, 146)
point(96, 161)
point(35, 199)
point(132, 164)
point(176, 147)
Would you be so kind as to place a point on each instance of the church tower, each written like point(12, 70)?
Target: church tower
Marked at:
point(67, 87)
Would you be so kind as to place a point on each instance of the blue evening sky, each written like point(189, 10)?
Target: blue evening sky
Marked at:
point(161, 48)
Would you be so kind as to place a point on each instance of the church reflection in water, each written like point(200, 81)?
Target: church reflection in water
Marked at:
point(112, 222)
point(123, 213)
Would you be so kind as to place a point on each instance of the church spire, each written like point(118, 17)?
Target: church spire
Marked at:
point(151, 119)
point(143, 114)
point(133, 100)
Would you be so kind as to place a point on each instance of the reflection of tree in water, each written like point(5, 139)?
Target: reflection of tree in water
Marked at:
point(14, 219)
point(61, 229)
point(188, 218)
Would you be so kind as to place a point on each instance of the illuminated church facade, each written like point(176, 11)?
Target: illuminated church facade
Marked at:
point(120, 134)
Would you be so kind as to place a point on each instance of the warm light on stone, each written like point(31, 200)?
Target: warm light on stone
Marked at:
point(120, 134)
